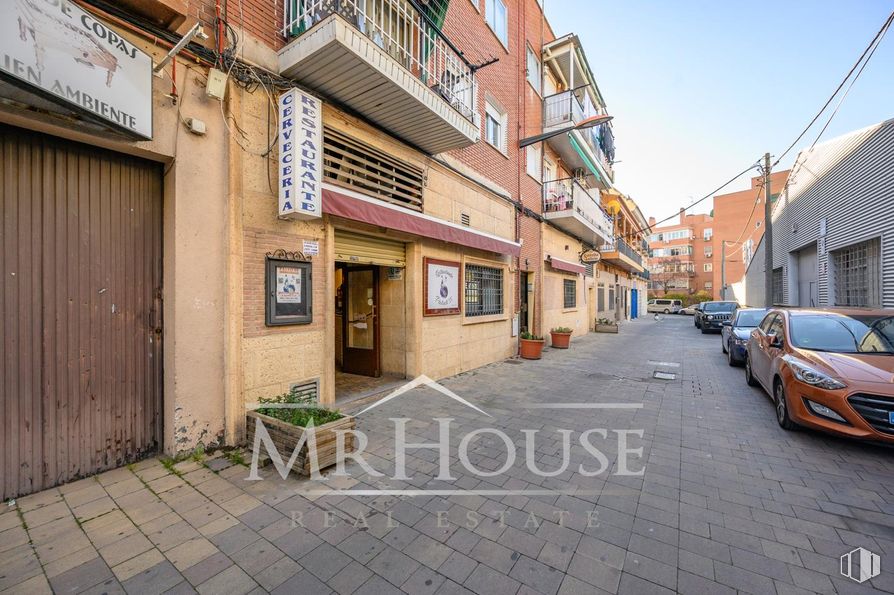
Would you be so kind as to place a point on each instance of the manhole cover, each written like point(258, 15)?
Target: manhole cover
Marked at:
point(664, 375)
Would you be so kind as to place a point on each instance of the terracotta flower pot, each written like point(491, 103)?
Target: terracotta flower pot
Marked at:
point(560, 340)
point(530, 348)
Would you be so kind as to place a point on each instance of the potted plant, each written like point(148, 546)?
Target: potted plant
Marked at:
point(286, 426)
point(561, 337)
point(604, 325)
point(530, 346)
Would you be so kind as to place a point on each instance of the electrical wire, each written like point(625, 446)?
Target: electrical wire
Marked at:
point(867, 54)
point(650, 227)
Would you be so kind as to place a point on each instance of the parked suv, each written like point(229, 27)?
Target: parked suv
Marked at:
point(828, 369)
point(666, 306)
point(711, 315)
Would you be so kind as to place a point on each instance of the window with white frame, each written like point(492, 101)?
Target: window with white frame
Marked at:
point(533, 155)
point(708, 267)
point(497, 17)
point(533, 69)
point(495, 126)
point(709, 285)
point(708, 233)
point(709, 251)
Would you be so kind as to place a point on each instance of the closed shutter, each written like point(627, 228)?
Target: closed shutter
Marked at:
point(80, 310)
point(357, 248)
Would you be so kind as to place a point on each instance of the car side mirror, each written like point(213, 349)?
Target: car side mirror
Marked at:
point(775, 340)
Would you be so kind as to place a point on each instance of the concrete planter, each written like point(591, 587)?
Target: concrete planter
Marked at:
point(607, 328)
point(560, 340)
point(530, 348)
point(285, 436)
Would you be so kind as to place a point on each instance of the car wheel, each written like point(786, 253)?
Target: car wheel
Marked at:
point(704, 330)
point(666, 311)
point(785, 422)
point(723, 346)
point(749, 377)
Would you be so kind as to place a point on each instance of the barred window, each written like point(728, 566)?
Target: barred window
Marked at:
point(611, 298)
point(600, 293)
point(484, 290)
point(857, 275)
point(570, 286)
point(777, 286)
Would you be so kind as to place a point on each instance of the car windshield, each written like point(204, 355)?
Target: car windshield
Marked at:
point(844, 333)
point(720, 306)
point(750, 318)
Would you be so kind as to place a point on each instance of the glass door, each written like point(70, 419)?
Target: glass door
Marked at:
point(361, 320)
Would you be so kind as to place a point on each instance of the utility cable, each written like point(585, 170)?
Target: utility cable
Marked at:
point(867, 53)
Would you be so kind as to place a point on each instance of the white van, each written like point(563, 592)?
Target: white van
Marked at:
point(665, 306)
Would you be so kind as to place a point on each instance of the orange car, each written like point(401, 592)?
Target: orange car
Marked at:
point(828, 369)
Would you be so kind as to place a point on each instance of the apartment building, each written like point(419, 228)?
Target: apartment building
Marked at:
point(682, 255)
point(738, 228)
point(201, 258)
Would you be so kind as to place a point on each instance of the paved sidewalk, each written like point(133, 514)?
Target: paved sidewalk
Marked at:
point(728, 501)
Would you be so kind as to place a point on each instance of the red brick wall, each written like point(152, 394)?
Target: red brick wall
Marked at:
point(263, 19)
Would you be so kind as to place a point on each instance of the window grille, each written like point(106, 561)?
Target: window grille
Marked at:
point(601, 298)
point(355, 164)
point(570, 286)
point(777, 286)
point(611, 298)
point(857, 273)
point(484, 290)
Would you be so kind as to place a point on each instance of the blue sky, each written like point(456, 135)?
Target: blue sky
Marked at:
point(701, 88)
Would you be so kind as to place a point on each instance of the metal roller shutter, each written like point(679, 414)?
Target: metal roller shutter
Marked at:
point(356, 248)
point(80, 310)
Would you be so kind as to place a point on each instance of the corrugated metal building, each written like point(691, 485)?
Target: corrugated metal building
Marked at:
point(833, 226)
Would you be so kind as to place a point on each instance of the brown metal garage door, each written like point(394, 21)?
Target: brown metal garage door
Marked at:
point(80, 310)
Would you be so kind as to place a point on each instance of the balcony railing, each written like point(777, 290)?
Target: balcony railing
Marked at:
point(570, 196)
point(568, 108)
point(406, 32)
point(624, 248)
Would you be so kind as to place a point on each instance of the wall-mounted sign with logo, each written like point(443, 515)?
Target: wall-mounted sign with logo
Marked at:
point(441, 285)
point(71, 56)
point(590, 256)
point(300, 156)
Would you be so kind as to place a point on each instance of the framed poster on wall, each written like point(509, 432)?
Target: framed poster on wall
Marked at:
point(441, 286)
point(289, 292)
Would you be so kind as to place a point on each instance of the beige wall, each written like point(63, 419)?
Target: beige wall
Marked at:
point(552, 295)
point(220, 220)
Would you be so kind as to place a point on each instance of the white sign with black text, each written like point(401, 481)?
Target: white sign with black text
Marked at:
point(71, 55)
point(300, 156)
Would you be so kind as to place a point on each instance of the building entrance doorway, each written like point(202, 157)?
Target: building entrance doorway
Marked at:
point(360, 320)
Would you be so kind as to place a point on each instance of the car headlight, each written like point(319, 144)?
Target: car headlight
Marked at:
point(709, 317)
point(811, 376)
point(740, 341)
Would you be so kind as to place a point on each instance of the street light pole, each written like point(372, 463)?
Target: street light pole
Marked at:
point(768, 236)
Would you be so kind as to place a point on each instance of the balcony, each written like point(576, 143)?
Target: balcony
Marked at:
point(620, 254)
point(388, 61)
point(571, 208)
point(580, 149)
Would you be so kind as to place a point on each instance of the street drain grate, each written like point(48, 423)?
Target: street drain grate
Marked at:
point(664, 375)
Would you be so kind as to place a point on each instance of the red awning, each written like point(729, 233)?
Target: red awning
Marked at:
point(565, 266)
point(370, 210)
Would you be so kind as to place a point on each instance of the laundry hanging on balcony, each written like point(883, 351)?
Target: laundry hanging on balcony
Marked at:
point(583, 155)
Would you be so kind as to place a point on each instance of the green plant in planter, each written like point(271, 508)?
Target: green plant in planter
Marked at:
point(530, 337)
point(298, 416)
point(562, 329)
point(606, 321)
